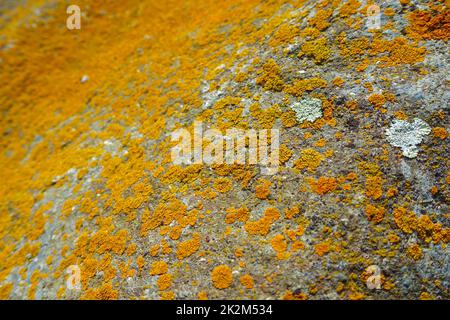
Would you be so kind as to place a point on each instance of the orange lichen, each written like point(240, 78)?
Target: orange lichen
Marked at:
point(349, 8)
point(351, 176)
point(35, 278)
point(262, 190)
point(338, 81)
point(223, 185)
point(105, 292)
point(320, 143)
point(164, 281)
point(368, 86)
point(279, 244)
point(221, 277)
point(167, 295)
point(429, 25)
point(320, 20)
point(102, 149)
point(289, 295)
point(375, 213)
point(400, 52)
point(265, 117)
point(440, 132)
point(414, 251)
point(238, 252)
point(38, 221)
point(289, 213)
point(400, 115)
point(188, 247)
point(363, 65)
point(262, 226)
point(240, 214)
point(175, 232)
point(434, 190)
point(164, 214)
point(405, 220)
point(154, 250)
point(428, 231)
point(377, 100)
point(247, 281)
point(374, 187)
point(285, 154)
point(131, 250)
point(158, 268)
point(240, 77)
point(284, 35)
point(323, 185)
point(270, 78)
point(318, 49)
point(426, 296)
point(389, 12)
point(297, 245)
point(5, 290)
point(288, 119)
point(322, 248)
point(202, 295)
point(303, 85)
point(310, 159)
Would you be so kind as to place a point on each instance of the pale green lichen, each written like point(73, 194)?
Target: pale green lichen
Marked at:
point(308, 109)
point(407, 135)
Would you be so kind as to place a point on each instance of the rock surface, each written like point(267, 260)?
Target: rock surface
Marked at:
point(93, 207)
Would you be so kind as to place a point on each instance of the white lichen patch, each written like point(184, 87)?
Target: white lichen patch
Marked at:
point(407, 136)
point(308, 109)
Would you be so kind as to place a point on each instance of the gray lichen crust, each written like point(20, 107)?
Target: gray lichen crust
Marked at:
point(308, 109)
point(407, 135)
